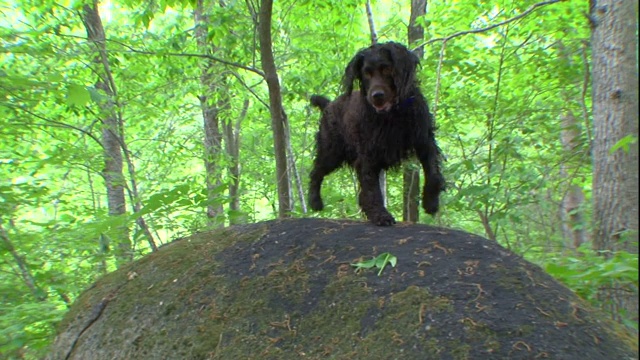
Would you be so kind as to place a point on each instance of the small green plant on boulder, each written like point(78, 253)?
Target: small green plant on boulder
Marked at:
point(379, 261)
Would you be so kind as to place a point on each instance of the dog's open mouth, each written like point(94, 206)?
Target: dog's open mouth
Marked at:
point(383, 108)
point(381, 104)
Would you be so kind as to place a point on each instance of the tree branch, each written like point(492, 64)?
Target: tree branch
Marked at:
point(372, 26)
point(246, 86)
point(475, 31)
point(54, 123)
point(204, 56)
point(585, 88)
point(25, 274)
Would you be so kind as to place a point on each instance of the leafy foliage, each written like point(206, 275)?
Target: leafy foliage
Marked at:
point(589, 271)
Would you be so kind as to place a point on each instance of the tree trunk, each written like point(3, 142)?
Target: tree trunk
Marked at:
point(571, 208)
point(209, 83)
point(232, 142)
point(111, 130)
point(372, 26)
point(615, 116)
point(296, 174)
point(134, 198)
point(278, 119)
point(573, 227)
point(410, 170)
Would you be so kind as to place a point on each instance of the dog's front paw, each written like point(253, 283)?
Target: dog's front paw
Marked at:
point(431, 193)
point(431, 204)
point(382, 219)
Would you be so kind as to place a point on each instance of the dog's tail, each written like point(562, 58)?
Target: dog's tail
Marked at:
point(319, 101)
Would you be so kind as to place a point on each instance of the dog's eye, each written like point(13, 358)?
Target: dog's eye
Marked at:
point(367, 72)
point(387, 71)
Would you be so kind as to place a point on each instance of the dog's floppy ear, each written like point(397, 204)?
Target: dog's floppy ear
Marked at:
point(405, 63)
point(353, 72)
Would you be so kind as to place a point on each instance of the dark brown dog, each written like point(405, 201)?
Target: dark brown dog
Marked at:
point(374, 129)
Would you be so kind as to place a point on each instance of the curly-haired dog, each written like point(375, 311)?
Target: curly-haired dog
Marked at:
point(374, 129)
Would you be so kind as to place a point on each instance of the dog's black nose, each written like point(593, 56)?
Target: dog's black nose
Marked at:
point(378, 95)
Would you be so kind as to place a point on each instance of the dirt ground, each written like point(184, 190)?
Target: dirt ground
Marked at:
point(286, 290)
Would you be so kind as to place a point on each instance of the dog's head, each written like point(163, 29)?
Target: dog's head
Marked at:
point(385, 72)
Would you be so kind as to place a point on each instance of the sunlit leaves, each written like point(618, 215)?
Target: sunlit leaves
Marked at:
point(31, 324)
point(588, 272)
point(77, 95)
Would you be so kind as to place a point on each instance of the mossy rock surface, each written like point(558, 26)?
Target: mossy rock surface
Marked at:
point(285, 290)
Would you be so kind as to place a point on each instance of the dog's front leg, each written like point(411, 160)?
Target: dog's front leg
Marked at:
point(429, 155)
point(370, 197)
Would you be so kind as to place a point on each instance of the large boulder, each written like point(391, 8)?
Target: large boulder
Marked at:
point(286, 290)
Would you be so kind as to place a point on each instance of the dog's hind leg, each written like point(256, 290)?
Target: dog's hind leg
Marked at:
point(325, 163)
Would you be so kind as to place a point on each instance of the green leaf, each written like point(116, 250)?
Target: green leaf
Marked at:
point(380, 262)
point(624, 143)
point(55, 77)
point(77, 95)
point(383, 260)
point(365, 264)
point(558, 270)
point(393, 260)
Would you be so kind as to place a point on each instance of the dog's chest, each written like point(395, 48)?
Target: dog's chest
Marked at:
point(387, 140)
